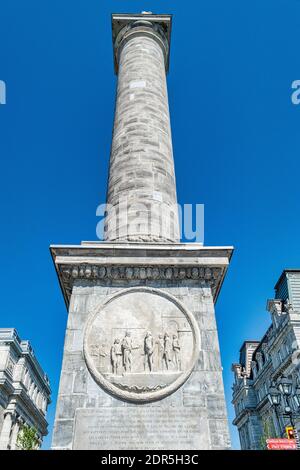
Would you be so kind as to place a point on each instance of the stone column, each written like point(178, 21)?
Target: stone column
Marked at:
point(6, 431)
point(134, 295)
point(14, 434)
point(141, 184)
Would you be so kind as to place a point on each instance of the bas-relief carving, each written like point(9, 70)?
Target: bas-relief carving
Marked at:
point(141, 345)
point(208, 274)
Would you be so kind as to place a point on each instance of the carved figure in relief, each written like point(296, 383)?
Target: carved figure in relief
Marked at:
point(139, 344)
point(127, 351)
point(148, 350)
point(127, 347)
point(160, 352)
point(167, 350)
point(176, 352)
point(115, 356)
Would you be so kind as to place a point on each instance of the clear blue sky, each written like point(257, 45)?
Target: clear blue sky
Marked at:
point(236, 147)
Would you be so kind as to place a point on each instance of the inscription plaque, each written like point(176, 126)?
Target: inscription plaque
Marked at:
point(144, 428)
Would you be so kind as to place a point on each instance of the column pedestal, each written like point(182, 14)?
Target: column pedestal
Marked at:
point(141, 367)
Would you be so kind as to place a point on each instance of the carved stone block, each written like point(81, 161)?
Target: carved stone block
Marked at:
point(142, 352)
point(142, 344)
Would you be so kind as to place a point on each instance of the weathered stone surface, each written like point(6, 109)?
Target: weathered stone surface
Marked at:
point(204, 382)
point(205, 319)
point(202, 391)
point(73, 340)
point(142, 344)
point(63, 434)
point(219, 434)
point(73, 361)
point(209, 340)
point(196, 400)
point(209, 360)
point(141, 161)
point(112, 264)
point(216, 406)
point(67, 404)
point(121, 429)
point(80, 381)
point(141, 390)
point(67, 379)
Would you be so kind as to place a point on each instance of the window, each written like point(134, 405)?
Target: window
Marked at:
point(287, 349)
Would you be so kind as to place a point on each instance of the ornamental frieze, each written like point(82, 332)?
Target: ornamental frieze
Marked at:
point(211, 275)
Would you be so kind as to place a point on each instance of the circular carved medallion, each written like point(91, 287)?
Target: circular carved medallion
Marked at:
point(141, 345)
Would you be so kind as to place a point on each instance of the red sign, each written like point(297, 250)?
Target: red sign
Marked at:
point(281, 444)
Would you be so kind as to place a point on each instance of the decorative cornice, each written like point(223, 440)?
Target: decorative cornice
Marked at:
point(141, 262)
point(208, 277)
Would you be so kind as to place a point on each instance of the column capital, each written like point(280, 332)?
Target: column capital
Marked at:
point(126, 26)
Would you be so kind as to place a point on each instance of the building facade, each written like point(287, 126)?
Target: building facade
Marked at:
point(264, 363)
point(24, 390)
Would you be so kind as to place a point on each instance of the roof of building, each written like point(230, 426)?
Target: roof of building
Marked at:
point(282, 275)
point(248, 341)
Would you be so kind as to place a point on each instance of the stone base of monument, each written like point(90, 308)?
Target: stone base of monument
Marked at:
point(141, 366)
